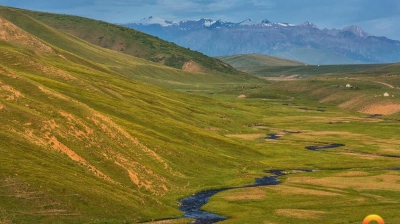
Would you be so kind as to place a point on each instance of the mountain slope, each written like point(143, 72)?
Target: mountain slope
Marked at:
point(304, 42)
point(81, 48)
point(128, 41)
point(83, 143)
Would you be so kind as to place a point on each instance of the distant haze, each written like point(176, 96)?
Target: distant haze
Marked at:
point(304, 42)
point(378, 18)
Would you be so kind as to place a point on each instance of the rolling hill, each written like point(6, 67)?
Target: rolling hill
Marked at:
point(257, 60)
point(126, 40)
point(84, 140)
point(268, 66)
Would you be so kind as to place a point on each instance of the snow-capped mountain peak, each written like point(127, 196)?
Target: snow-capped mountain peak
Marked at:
point(207, 22)
point(325, 46)
point(284, 24)
point(154, 20)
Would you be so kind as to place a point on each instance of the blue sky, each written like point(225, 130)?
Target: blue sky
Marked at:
point(377, 17)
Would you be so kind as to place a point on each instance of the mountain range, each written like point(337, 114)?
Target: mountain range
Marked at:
point(304, 42)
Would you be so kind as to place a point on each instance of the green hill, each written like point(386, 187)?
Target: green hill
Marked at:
point(312, 70)
point(128, 41)
point(268, 66)
point(81, 142)
point(245, 61)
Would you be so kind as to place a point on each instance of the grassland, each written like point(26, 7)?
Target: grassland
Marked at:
point(268, 66)
point(84, 143)
point(348, 183)
point(311, 70)
point(244, 61)
point(125, 40)
point(90, 135)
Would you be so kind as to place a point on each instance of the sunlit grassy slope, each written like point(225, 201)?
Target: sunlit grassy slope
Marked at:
point(128, 41)
point(81, 141)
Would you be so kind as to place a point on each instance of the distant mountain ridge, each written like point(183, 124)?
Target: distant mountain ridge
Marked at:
point(304, 42)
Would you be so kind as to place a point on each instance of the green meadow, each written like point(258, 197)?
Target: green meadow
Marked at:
point(92, 135)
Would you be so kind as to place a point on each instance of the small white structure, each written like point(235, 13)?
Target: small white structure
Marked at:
point(348, 86)
point(386, 94)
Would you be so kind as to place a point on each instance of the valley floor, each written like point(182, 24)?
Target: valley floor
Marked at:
point(347, 183)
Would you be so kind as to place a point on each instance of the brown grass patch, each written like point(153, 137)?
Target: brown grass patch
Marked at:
point(139, 174)
point(11, 33)
point(361, 155)
point(386, 146)
point(352, 174)
point(1, 106)
point(4, 71)
point(192, 66)
point(290, 190)
point(50, 140)
point(57, 145)
point(253, 193)
point(389, 108)
point(246, 136)
point(52, 93)
point(119, 130)
point(312, 135)
point(332, 97)
point(73, 130)
point(388, 181)
point(53, 71)
point(379, 198)
point(351, 102)
point(300, 213)
point(211, 128)
point(9, 93)
point(171, 221)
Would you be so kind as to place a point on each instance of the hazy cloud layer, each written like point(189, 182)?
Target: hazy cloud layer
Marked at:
point(376, 17)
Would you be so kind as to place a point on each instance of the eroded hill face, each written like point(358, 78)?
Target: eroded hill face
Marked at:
point(13, 34)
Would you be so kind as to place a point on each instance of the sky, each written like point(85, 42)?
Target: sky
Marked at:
point(376, 17)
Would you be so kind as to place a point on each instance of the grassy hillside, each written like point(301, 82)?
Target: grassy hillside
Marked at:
point(312, 70)
point(81, 142)
point(268, 66)
point(243, 61)
point(92, 53)
point(128, 41)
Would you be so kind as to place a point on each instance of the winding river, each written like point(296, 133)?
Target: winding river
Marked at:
point(191, 206)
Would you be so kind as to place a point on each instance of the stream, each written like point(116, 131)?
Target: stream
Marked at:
point(322, 147)
point(191, 206)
